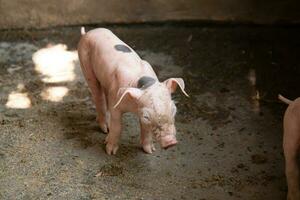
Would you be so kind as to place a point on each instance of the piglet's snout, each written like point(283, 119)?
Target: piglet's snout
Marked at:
point(168, 141)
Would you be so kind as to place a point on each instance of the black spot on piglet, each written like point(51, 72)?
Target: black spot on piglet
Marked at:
point(123, 48)
point(145, 82)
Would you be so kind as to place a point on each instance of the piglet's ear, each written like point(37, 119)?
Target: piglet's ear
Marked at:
point(134, 93)
point(172, 83)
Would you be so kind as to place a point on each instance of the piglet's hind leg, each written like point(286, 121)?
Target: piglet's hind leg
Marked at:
point(97, 91)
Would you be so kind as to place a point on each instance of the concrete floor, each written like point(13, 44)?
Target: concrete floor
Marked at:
point(229, 130)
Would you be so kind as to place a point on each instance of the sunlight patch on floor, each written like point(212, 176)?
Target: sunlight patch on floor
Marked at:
point(55, 63)
point(18, 100)
point(55, 94)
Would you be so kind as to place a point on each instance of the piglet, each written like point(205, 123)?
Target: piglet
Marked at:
point(291, 144)
point(120, 81)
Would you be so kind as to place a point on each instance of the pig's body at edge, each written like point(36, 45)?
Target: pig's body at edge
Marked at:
point(120, 81)
point(291, 146)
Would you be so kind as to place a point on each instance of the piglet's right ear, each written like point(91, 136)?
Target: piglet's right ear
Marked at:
point(134, 93)
point(172, 83)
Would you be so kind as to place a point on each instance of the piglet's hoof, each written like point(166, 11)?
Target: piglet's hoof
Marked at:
point(111, 149)
point(148, 148)
point(104, 128)
point(102, 124)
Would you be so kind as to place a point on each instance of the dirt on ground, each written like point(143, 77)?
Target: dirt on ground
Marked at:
point(229, 130)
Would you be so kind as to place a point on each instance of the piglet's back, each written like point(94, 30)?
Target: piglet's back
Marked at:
point(109, 55)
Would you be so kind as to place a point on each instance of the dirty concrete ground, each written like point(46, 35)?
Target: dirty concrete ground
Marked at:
point(229, 130)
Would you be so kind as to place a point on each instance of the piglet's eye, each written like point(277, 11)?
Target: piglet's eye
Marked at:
point(146, 117)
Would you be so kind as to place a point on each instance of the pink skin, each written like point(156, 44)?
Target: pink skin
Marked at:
point(112, 75)
point(168, 141)
point(291, 144)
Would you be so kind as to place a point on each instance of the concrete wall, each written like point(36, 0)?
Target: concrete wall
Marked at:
point(42, 13)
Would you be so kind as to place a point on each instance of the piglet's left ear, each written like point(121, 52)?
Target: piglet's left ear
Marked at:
point(134, 93)
point(172, 83)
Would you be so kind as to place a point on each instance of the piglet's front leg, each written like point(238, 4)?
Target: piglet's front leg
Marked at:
point(113, 136)
point(146, 139)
